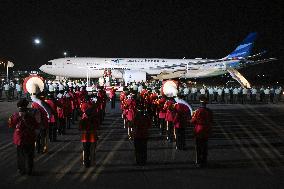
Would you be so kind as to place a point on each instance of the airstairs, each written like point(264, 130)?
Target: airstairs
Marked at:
point(239, 77)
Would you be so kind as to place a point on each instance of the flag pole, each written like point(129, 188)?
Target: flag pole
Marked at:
point(7, 72)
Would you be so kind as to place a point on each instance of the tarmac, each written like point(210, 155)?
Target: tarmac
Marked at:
point(245, 151)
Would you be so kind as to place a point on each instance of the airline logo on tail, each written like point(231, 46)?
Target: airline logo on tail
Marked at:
point(244, 49)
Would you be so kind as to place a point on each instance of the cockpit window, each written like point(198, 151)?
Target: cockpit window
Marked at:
point(48, 63)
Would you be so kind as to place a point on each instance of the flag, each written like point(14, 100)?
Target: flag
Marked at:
point(10, 64)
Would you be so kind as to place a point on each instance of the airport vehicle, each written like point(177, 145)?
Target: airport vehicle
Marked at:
point(136, 69)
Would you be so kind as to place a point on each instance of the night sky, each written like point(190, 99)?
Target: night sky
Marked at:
point(120, 28)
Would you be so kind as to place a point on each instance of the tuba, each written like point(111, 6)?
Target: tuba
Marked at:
point(170, 88)
point(34, 85)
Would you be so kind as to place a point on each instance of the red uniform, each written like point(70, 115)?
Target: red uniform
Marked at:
point(161, 109)
point(182, 116)
point(202, 120)
point(43, 114)
point(25, 126)
point(130, 112)
point(112, 93)
point(53, 107)
point(87, 125)
point(169, 106)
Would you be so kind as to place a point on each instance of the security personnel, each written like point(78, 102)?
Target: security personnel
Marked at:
point(202, 120)
point(142, 123)
point(88, 126)
point(24, 136)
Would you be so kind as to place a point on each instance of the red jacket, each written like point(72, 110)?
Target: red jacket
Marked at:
point(130, 111)
point(112, 93)
point(169, 106)
point(202, 120)
point(25, 126)
point(182, 116)
point(161, 109)
point(88, 125)
point(43, 114)
point(61, 108)
point(53, 107)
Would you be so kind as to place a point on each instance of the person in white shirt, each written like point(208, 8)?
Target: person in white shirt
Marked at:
point(235, 95)
point(253, 95)
point(60, 87)
point(277, 93)
point(50, 88)
point(6, 90)
point(135, 87)
point(202, 91)
point(193, 93)
point(219, 92)
point(211, 94)
point(186, 93)
point(19, 90)
point(140, 88)
point(227, 95)
point(266, 95)
point(244, 96)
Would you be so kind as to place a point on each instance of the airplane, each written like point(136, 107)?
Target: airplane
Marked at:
point(136, 69)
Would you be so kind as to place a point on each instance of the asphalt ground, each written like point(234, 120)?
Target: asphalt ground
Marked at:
point(245, 151)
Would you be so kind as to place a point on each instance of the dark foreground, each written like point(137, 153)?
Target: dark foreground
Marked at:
point(246, 151)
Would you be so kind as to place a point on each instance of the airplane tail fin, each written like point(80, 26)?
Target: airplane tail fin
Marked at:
point(244, 49)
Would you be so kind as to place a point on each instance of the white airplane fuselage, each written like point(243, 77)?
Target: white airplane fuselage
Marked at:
point(95, 67)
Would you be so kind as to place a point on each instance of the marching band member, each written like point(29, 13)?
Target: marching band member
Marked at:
point(52, 120)
point(130, 114)
point(181, 120)
point(141, 124)
point(24, 136)
point(202, 121)
point(162, 113)
point(88, 127)
point(169, 106)
point(112, 97)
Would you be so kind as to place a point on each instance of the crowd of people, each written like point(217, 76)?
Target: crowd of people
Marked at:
point(35, 127)
point(143, 105)
point(142, 109)
point(12, 90)
point(215, 94)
